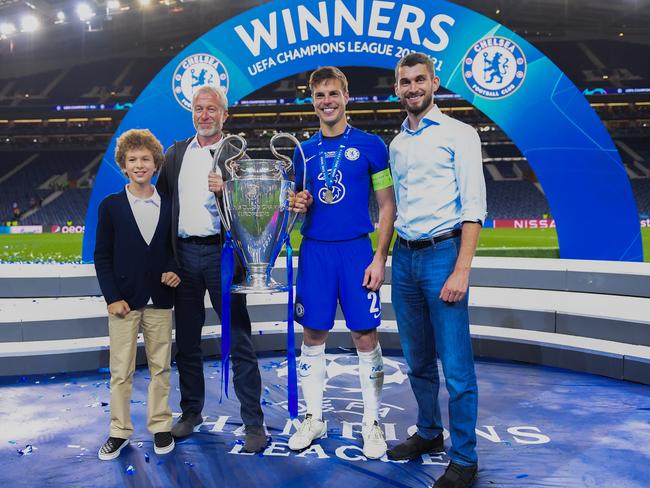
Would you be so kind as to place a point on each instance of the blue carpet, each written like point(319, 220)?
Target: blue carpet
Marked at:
point(538, 427)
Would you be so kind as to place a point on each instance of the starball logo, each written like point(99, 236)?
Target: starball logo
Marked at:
point(343, 412)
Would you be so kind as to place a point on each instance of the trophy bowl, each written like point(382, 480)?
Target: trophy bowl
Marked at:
point(256, 204)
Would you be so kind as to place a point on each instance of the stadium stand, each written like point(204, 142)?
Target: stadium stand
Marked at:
point(33, 128)
point(514, 200)
point(44, 185)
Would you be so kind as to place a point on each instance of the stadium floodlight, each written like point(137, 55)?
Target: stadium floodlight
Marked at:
point(7, 29)
point(84, 12)
point(145, 3)
point(113, 5)
point(29, 23)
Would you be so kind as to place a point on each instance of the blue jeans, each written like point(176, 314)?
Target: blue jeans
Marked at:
point(429, 327)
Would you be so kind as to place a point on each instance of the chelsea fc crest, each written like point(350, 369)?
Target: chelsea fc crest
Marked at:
point(494, 67)
point(196, 71)
point(352, 154)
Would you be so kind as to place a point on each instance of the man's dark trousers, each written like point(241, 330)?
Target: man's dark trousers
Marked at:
point(200, 269)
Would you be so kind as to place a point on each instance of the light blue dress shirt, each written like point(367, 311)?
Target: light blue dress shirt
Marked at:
point(438, 176)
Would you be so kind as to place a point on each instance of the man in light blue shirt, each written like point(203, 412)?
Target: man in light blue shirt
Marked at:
point(440, 193)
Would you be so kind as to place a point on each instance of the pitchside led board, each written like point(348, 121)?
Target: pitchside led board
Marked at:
point(490, 66)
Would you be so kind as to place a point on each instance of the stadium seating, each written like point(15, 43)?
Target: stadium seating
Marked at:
point(514, 200)
point(641, 188)
point(70, 206)
point(38, 177)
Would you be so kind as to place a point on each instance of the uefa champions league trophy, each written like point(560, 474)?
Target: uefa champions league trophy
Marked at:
point(256, 211)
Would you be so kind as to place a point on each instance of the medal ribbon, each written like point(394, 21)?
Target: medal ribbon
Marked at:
point(329, 175)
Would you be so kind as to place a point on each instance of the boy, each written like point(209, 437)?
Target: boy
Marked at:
point(137, 273)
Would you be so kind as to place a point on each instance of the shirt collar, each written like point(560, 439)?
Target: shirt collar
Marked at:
point(155, 198)
point(194, 144)
point(432, 117)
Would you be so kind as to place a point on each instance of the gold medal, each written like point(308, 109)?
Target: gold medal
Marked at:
point(329, 196)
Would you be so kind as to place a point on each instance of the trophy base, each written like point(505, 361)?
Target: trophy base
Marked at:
point(259, 287)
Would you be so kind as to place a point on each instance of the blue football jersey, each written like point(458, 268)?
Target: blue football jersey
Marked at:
point(347, 216)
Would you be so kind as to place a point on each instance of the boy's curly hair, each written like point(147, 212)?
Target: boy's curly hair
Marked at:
point(134, 139)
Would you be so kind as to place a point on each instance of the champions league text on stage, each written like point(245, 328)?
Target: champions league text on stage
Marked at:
point(115, 114)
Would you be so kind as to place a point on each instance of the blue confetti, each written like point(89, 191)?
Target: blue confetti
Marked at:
point(130, 470)
point(271, 365)
point(520, 476)
point(140, 444)
point(12, 442)
point(266, 402)
point(266, 389)
point(103, 370)
point(644, 408)
point(27, 451)
point(104, 404)
point(189, 464)
point(146, 457)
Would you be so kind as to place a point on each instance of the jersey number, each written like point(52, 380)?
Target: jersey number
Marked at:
point(374, 308)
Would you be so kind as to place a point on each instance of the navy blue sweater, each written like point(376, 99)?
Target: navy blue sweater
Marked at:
point(127, 268)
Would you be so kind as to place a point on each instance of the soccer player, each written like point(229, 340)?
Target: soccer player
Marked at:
point(336, 259)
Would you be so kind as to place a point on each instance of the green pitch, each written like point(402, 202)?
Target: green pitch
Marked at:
point(494, 242)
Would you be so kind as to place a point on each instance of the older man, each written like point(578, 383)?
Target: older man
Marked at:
point(186, 176)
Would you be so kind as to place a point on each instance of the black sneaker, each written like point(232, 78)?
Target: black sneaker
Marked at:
point(112, 448)
point(163, 442)
point(415, 446)
point(187, 424)
point(457, 476)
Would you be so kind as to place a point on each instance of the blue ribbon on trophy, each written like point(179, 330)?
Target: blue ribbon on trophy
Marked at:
point(227, 273)
point(257, 223)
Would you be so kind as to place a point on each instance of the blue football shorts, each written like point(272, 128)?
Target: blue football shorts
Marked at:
point(331, 272)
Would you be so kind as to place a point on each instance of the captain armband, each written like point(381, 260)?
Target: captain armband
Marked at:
point(382, 180)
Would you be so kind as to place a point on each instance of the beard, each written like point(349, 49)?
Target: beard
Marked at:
point(426, 103)
point(207, 131)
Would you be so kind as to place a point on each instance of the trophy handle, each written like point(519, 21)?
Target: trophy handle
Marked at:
point(230, 166)
point(288, 163)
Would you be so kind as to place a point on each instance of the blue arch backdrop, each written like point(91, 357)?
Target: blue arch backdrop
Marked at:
point(529, 97)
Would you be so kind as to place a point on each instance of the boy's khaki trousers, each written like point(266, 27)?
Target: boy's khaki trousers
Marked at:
point(156, 326)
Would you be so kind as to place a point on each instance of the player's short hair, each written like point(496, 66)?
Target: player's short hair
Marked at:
point(134, 139)
point(328, 73)
point(217, 91)
point(414, 59)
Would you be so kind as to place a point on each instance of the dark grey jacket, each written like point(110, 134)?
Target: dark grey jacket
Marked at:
point(167, 183)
